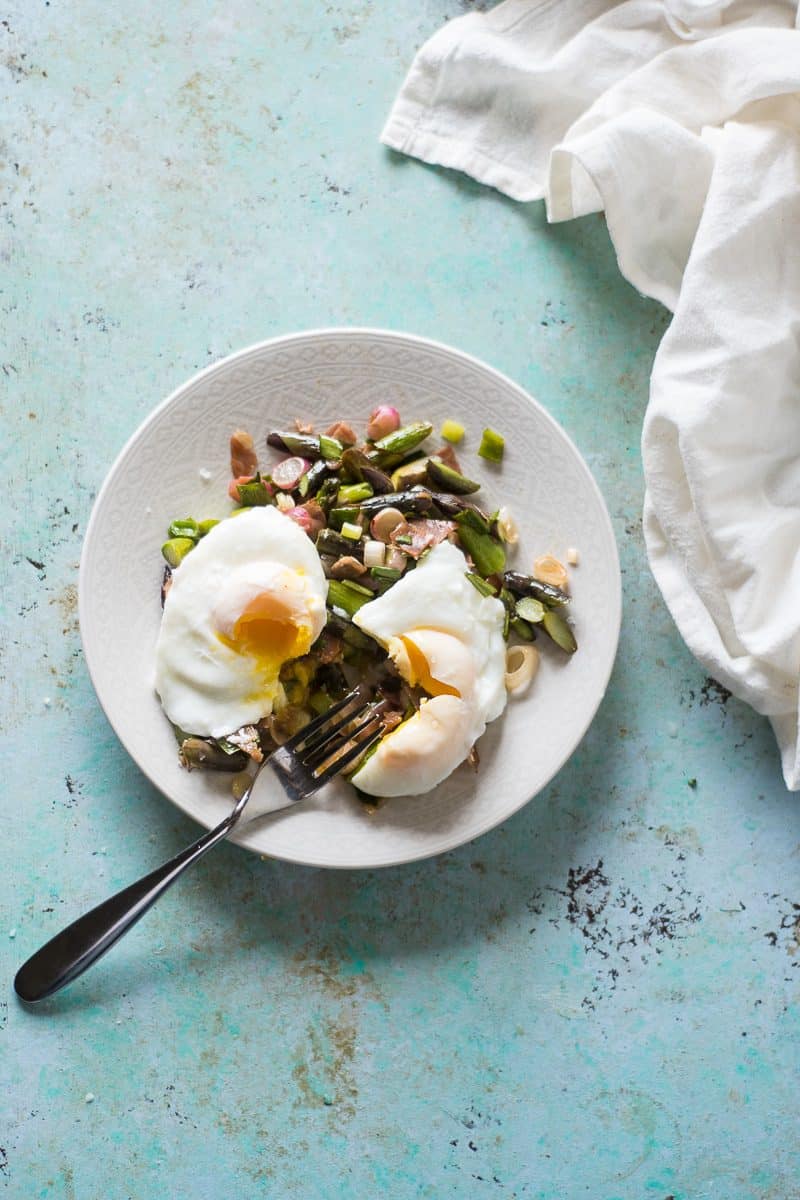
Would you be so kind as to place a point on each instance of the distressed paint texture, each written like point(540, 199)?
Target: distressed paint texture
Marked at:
point(598, 998)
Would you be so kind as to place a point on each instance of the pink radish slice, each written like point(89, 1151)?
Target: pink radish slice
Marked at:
point(288, 473)
point(301, 517)
point(385, 419)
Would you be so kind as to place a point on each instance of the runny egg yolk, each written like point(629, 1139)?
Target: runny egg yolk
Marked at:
point(267, 630)
point(415, 668)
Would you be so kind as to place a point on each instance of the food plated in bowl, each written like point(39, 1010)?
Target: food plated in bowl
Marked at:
point(343, 376)
point(420, 605)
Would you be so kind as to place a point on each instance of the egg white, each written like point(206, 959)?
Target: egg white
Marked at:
point(249, 597)
point(447, 638)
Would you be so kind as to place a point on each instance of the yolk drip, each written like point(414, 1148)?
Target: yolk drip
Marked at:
point(267, 631)
point(421, 672)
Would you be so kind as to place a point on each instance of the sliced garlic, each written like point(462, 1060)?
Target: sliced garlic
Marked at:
point(522, 663)
point(507, 527)
point(549, 570)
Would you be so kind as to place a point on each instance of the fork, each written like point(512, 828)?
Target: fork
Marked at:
point(322, 750)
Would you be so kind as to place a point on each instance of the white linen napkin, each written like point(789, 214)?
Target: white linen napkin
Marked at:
point(681, 120)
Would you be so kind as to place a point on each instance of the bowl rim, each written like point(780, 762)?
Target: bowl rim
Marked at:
point(342, 332)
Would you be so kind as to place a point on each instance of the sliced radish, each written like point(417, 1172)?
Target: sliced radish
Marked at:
point(301, 517)
point(385, 419)
point(288, 473)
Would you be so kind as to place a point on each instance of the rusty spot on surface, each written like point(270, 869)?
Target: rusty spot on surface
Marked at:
point(324, 1076)
point(325, 968)
point(67, 604)
point(687, 837)
point(209, 1057)
point(207, 101)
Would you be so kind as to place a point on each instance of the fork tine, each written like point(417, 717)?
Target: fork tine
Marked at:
point(322, 721)
point(321, 736)
point(342, 762)
point(296, 774)
point(328, 745)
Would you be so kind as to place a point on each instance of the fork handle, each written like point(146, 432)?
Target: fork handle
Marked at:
point(74, 949)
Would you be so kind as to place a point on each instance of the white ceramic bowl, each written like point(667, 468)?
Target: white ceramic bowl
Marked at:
point(176, 464)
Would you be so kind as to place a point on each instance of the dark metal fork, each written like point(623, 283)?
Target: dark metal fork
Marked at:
point(319, 752)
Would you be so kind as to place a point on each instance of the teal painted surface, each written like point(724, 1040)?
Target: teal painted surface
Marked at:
point(597, 999)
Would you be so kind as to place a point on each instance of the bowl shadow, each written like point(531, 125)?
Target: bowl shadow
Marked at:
point(241, 906)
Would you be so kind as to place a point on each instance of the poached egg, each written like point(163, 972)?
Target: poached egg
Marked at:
point(447, 639)
point(248, 598)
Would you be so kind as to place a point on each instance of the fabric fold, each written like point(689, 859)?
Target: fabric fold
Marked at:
point(679, 119)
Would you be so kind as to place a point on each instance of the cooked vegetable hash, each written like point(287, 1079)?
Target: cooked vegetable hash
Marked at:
point(395, 529)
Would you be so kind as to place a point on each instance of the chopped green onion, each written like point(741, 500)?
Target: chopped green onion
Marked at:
point(302, 486)
point(506, 623)
point(526, 585)
point(320, 702)
point(352, 586)
point(522, 629)
point(351, 493)
point(452, 431)
point(556, 627)
point(471, 517)
point(185, 527)
point(304, 444)
point(351, 531)
point(410, 474)
point(176, 549)
point(295, 692)
point(403, 441)
point(530, 610)
point(338, 516)
point(492, 446)
point(349, 600)
point(447, 480)
point(254, 494)
point(203, 527)
point(485, 589)
point(353, 636)
point(390, 573)
point(326, 494)
point(404, 539)
point(487, 554)
point(332, 543)
point(330, 447)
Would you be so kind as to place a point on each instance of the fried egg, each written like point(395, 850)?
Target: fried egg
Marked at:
point(247, 599)
point(447, 639)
